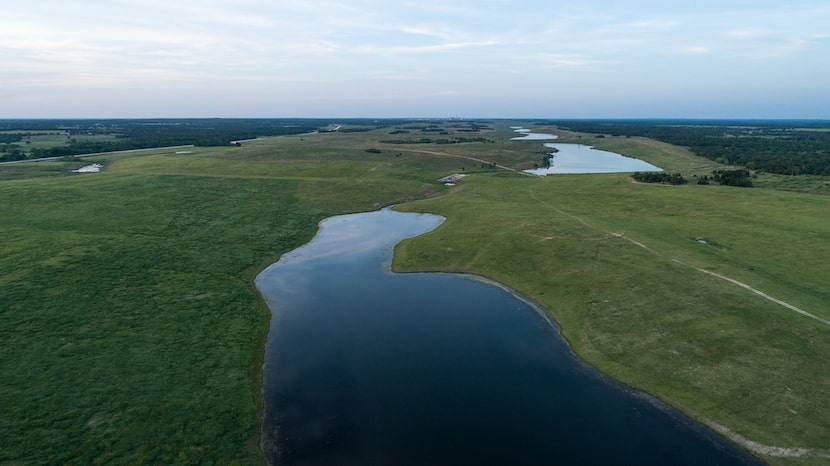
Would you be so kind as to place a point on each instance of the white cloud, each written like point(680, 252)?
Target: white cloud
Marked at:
point(295, 45)
point(566, 61)
point(696, 50)
point(748, 34)
point(438, 32)
point(420, 49)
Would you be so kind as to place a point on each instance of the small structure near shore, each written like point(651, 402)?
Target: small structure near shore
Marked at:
point(451, 179)
point(94, 168)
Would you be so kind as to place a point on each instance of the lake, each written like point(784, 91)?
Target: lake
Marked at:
point(527, 135)
point(579, 158)
point(367, 367)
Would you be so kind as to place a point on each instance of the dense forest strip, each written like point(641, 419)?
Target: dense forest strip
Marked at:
point(137, 134)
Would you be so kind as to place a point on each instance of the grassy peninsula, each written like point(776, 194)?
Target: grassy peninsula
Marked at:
point(134, 334)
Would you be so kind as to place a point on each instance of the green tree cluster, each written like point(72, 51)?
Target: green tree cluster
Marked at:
point(659, 177)
point(739, 177)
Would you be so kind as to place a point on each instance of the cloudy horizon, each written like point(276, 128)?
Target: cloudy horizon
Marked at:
point(365, 58)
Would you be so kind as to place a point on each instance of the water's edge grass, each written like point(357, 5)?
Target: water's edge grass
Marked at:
point(605, 271)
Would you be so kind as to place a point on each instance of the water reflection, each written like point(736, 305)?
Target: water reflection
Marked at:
point(579, 158)
point(364, 366)
point(530, 136)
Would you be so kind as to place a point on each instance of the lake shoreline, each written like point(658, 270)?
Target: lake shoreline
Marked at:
point(707, 428)
point(554, 332)
point(583, 159)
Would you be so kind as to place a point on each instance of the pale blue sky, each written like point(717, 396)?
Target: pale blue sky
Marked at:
point(420, 58)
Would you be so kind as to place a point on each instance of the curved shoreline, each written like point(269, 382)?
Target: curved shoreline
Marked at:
point(705, 427)
point(264, 443)
point(701, 429)
point(750, 446)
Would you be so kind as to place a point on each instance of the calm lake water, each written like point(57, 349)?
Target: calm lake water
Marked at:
point(367, 367)
point(527, 135)
point(579, 158)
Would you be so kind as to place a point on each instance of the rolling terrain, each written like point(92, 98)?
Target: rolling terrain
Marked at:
point(134, 334)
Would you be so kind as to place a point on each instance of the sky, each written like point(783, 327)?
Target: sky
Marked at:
point(422, 58)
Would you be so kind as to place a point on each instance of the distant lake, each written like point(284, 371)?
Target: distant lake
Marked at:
point(367, 367)
point(579, 158)
point(527, 135)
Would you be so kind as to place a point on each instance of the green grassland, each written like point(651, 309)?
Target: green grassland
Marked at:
point(44, 141)
point(25, 171)
point(614, 263)
point(133, 333)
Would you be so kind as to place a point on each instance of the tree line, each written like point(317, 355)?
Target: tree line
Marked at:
point(783, 147)
point(142, 134)
point(739, 177)
point(659, 177)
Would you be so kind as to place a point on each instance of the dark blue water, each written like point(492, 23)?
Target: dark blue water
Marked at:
point(367, 367)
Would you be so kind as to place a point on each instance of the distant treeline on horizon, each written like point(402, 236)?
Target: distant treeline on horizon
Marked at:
point(789, 147)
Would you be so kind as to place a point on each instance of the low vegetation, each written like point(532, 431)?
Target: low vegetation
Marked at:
point(133, 332)
point(456, 140)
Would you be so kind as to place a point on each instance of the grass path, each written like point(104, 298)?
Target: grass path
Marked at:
point(761, 449)
point(753, 446)
point(758, 292)
point(697, 341)
point(637, 243)
point(465, 157)
point(92, 154)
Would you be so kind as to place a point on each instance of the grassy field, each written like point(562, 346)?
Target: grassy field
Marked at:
point(616, 264)
point(27, 171)
point(134, 334)
point(50, 139)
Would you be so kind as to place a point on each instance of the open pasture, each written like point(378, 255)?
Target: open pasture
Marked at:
point(133, 332)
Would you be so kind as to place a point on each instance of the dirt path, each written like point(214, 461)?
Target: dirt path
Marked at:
point(52, 159)
point(767, 450)
point(751, 445)
point(759, 293)
point(446, 154)
point(730, 280)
